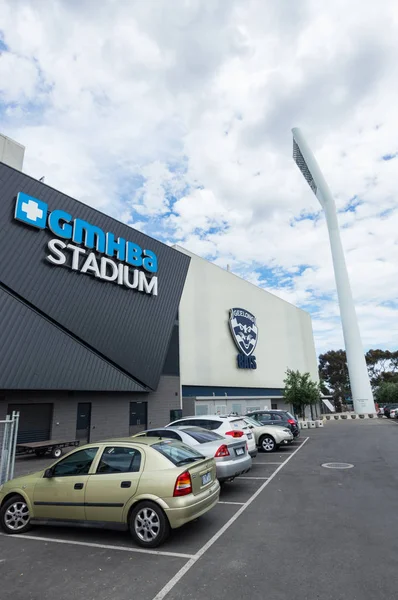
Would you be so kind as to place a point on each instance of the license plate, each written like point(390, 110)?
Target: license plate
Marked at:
point(206, 478)
point(240, 451)
point(249, 436)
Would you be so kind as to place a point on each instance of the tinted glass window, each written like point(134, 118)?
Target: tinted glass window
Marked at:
point(165, 433)
point(202, 436)
point(209, 424)
point(78, 463)
point(289, 415)
point(200, 422)
point(154, 433)
point(279, 417)
point(179, 454)
point(264, 418)
point(117, 459)
point(238, 423)
point(252, 421)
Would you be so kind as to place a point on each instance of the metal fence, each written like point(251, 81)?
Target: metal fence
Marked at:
point(8, 443)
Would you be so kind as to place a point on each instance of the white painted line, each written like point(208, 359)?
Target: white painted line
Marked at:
point(238, 503)
point(180, 574)
point(262, 478)
point(93, 545)
point(267, 463)
point(337, 465)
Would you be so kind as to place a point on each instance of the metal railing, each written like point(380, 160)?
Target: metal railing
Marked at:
point(8, 444)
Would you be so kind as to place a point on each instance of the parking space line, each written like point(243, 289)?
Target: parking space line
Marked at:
point(102, 546)
point(268, 463)
point(238, 503)
point(253, 478)
point(180, 574)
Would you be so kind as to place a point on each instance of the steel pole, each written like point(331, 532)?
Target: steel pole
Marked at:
point(358, 372)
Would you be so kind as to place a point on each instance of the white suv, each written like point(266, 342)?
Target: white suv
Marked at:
point(231, 426)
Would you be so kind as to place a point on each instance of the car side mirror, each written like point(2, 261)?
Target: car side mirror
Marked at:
point(48, 473)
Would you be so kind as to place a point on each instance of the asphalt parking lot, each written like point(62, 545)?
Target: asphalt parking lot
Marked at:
point(290, 529)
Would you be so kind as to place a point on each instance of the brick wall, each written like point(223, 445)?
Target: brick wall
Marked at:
point(166, 398)
point(109, 411)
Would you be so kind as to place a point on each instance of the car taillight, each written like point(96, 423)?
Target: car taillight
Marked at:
point(222, 451)
point(236, 433)
point(183, 484)
point(291, 421)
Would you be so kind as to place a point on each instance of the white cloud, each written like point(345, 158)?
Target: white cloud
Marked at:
point(178, 122)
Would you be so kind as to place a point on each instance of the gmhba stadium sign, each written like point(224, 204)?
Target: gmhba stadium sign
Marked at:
point(93, 251)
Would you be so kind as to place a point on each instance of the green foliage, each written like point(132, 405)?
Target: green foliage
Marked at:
point(300, 391)
point(333, 371)
point(382, 366)
point(387, 393)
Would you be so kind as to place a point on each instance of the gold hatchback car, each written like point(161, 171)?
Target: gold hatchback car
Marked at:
point(146, 485)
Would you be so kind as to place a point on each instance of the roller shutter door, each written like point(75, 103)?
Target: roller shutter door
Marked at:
point(34, 421)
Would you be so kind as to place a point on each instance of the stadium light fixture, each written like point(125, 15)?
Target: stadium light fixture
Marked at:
point(359, 378)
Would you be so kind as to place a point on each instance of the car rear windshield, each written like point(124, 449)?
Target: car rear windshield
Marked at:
point(253, 421)
point(236, 423)
point(202, 435)
point(178, 453)
point(290, 416)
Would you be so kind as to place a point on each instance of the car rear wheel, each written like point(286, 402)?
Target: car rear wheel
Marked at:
point(15, 516)
point(267, 443)
point(149, 525)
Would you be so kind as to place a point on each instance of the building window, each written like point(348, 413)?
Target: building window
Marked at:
point(274, 406)
point(237, 409)
point(201, 409)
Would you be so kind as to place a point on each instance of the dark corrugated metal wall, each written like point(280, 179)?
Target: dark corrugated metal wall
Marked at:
point(131, 330)
point(35, 354)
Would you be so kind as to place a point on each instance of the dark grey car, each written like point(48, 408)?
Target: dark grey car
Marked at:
point(277, 417)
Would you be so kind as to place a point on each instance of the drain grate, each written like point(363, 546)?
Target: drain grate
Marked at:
point(336, 465)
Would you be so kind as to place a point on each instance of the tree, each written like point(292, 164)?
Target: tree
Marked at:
point(300, 391)
point(333, 372)
point(387, 393)
point(382, 367)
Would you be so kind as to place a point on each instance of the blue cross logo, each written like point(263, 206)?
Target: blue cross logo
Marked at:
point(31, 211)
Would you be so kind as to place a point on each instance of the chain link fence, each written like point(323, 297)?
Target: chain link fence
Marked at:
point(8, 443)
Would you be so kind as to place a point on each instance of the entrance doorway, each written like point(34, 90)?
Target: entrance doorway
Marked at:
point(83, 422)
point(138, 417)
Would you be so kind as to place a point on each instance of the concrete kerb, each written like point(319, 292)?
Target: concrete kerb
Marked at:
point(321, 422)
point(310, 424)
point(348, 416)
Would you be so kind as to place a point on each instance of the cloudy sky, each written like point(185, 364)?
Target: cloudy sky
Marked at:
point(175, 116)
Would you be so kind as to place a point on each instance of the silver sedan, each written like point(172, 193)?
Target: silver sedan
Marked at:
point(231, 455)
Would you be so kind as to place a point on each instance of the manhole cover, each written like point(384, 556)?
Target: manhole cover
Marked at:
point(337, 465)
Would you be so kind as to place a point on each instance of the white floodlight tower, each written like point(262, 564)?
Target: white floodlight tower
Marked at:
point(359, 377)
